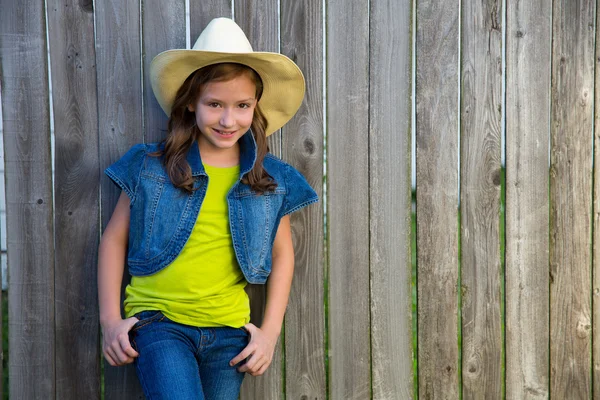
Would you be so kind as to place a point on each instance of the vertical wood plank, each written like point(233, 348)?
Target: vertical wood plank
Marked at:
point(570, 197)
point(390, 196)
point(71, 35)
point(348, 198)
point(202, 12)
point(481, 111)
point(163, 28)
point(596, 227)
point(28, 166)
point(437, 198)
point(260, 23)
point(528, 60)
point(302, 142)
point(120, 126)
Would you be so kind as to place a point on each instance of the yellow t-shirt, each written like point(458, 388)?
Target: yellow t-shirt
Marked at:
point(204, 285)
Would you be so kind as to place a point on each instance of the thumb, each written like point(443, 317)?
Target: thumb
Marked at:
point(131, 321)
point(250, 327)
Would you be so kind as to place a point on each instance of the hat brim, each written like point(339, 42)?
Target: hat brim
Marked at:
point(283, 82)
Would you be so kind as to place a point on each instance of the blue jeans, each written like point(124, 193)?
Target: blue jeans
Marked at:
point(184, 362)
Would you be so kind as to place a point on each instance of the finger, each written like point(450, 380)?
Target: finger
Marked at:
point(255, 370)
point(252, 364)
point(109, 359)
point(243, 355)
point(126, 346)
point(263, 369)
point(250, 328)
point(119, 355)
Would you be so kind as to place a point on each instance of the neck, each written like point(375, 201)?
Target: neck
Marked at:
point(219, 157)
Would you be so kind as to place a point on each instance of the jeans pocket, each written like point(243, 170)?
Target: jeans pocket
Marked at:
point(147, 317)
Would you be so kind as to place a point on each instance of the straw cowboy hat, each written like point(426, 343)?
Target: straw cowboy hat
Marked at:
point(224, 41)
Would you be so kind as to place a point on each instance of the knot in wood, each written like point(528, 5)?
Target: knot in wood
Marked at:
point(583, 328)
point(309, 146)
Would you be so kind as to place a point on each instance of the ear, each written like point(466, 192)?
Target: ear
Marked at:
point(190, 108)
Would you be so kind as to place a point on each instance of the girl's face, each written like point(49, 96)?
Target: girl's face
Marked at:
point(224, 112)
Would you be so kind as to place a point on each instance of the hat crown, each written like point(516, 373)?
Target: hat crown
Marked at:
point(224, 36)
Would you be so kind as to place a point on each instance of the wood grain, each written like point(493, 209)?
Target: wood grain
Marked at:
point(437, 198)
point(528, 69)
point(596, 228)
point(163, 28)
point(302, 142)
point(120, 126)
point(77, 205)
point(28, 175)
point(202, 12)
point(260, 23)
point(348, 198)
point(570, 199)
point(481, 115)
point(390, 211)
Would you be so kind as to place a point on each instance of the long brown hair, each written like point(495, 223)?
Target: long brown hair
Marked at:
point(183, 131)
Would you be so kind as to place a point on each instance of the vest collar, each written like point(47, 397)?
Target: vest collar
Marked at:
point(247, 155)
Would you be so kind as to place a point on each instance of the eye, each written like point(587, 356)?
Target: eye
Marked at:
point(213, 104)
point(244, 105)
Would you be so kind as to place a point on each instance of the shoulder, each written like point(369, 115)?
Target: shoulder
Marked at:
point(277, 168)
point(283, 172)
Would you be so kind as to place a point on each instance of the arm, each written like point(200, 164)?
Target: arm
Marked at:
point(262, 343)
point(111, 256)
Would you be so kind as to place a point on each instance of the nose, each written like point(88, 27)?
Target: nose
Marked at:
point(227, 119)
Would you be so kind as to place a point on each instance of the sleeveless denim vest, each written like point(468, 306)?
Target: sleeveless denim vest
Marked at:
point(162, 216)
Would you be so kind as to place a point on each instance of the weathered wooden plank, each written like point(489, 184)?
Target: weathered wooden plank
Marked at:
point(202, 12)
point(73, 58)
point(570, 197)
point(348, 198)
point(120, 126)
point(596, 230)
point(163, 28)
point(481, 114)
point(260, 22)
point(390, 210)
point(528, 56)
point(437, 198)
point(302, 142)
point(28, 169)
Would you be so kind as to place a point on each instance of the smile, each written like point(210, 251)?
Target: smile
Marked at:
point(226, 134)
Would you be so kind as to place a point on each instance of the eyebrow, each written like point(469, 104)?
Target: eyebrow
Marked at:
point(239, 101)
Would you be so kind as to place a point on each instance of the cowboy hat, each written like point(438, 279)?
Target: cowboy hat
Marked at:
point(223, 41)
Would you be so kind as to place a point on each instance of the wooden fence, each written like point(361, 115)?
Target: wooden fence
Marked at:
point(507, 281)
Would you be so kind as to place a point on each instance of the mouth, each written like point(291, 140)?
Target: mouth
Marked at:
point(225, 134)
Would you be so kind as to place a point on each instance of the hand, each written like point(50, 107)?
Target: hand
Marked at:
point(115, 343)
point(258, 353)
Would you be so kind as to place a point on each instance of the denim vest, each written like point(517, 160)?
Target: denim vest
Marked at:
point(162, 216)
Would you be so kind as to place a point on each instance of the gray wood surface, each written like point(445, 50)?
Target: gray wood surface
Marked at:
point(348, 198)
point(390, 198)
point(570, 196)
point(437, 198)
point(120, 126)
point(596, 230)
point(28, 177)
point(202, 12)
point(481, 175)
point(163, 28)
point(302, 142)
point(528, 69)
point(259, 20)
point(77, 206)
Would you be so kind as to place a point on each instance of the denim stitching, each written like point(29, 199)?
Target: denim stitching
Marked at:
point(155, 201)
point(148, 321)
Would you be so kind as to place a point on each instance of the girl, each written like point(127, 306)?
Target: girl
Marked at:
point(201, 214)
